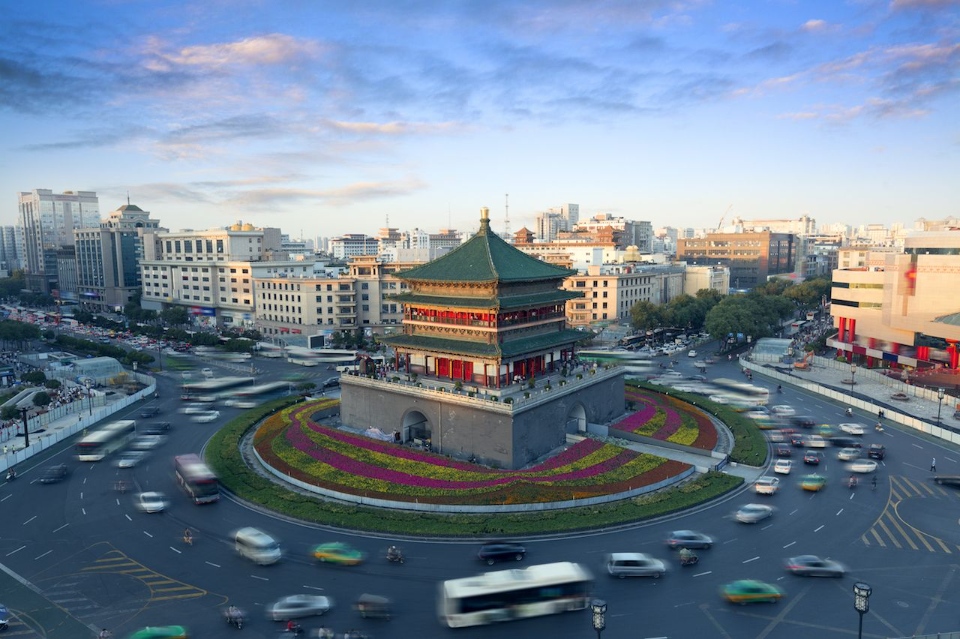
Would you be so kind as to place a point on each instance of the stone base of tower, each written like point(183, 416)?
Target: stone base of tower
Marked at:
point(518, 427)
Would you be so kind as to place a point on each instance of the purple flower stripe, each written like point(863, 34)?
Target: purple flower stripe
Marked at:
point(636, 420)
point(352, 466)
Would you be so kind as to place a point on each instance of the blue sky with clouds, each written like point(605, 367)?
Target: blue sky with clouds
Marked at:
point(331, 117)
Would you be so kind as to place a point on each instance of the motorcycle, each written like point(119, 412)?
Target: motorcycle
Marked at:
point(852, 483)
point(395, 556)
point(689, 560)
point(849, 412)
point(877, 427)
point(11, 475)
point(234, 618)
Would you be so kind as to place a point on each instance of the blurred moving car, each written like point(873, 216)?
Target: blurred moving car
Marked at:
point(160, 632)
point(147, 442)
point(338, 552)
point(149, 411)
point(131, 458)
point(750, 591)
point(813, 566)
point(782, 410)
point(753, 513)
point(373, 606)
point(493, 552)
point(634, 564)
point(206, 416)
point(257, 546)
point(4, 617)
point(156, 428)
point(150, 502)
point(783, 467)
point(813, 483)
point(239, 402)
point(851, 429)
point(815, 441)
point(193, 409)
point(53, 474)
point(847, 454)
point(298, 606)
point(689, 539)
point(766, 486)
point(862, 466)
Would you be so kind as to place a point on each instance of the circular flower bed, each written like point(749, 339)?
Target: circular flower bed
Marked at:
point(668, 419)
point(337, 460)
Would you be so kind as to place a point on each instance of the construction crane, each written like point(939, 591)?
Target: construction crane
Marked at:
point(723, 217)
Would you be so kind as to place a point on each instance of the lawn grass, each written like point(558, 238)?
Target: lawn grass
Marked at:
point(223, 454)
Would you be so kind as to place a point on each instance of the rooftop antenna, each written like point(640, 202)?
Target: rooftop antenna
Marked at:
point(506, 220)
point(128, 198)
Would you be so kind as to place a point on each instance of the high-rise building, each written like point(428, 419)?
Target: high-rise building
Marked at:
point(109, 257)
point(751, 257)
point(47, 221)
point(9, 249)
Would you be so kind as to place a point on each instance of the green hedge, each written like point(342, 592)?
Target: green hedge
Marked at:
point(749, 444)
point(223, 454)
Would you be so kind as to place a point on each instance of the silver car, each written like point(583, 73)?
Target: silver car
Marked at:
point(634, 564)
point(753, 513)
point(298, 606)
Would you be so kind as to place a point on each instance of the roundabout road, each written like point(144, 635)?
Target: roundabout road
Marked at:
point(91, 553)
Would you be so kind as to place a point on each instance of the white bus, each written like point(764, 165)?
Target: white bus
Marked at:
point(505, 595)
point(196, 479)
point(105, 440)
point(742, 394)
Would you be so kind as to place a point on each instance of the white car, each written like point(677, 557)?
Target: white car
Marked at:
point(207, 372)
point(691, 353)
point(862, 466)
point(766, 486)
point(130, 458)
point(206, 416)
point(782, 410)
point(783, 467)
point(852, 429)
point(814, 441)
point(152, 502)
point(147, 442)
point(753, 513)
point(848, 454)
point(236, 402)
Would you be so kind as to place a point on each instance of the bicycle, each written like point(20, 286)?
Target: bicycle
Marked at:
point(188, 537)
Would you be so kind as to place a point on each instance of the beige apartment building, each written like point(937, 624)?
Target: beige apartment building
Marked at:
point(903, 309)
point(609, 291)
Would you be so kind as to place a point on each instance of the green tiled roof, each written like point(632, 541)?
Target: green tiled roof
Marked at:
point(498, 303)
point(438, 345)
point(485, 258)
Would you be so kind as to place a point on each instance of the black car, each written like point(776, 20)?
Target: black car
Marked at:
point(501, 551)
point(841, 441)
point(784, 451)
point(333, 382)
point(877, 451)
point(803, 421)
point(53, 474)
point(149, 411)
point(156, 428)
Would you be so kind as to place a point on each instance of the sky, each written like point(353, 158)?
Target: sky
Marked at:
point(331, 117)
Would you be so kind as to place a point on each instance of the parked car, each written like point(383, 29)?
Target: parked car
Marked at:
point(751, 591)
point(491, 553)
point(813, 566)
point(753, 513)
point(298, 606)
point(689, 539)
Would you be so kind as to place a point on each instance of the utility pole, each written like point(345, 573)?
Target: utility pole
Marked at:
point(26, 428)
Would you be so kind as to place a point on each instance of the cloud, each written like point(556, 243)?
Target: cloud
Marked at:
point(922, 4)
point(814, 26)
point(394, 128)
point(267, 199)
point(274, 49)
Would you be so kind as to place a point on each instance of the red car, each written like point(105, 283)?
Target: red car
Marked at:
point(784, 451)
point(811, 457)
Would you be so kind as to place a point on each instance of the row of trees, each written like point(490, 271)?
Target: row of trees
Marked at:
point(759, 313)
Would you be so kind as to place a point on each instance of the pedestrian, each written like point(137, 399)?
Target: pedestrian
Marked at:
point(933, 465)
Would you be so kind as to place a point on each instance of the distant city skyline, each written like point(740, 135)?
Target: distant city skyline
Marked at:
point(331, 118)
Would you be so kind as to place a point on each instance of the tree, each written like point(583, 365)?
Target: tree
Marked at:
point(34, 377)
point(9, 412)
point(52, 384)
point(645, 315)
point(41, 399)
point(175, 316)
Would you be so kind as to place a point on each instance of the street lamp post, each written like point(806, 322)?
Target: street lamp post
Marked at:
point(89, 397)
point(861, 602)
point(26, 428)
point(599, 608)
point(853, 374)
point(940, 394)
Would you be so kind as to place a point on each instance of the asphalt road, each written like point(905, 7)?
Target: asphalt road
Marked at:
point(92, 554)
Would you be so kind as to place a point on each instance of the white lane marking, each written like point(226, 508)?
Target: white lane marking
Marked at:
point(790, 544)
point(730, 541)
point(918, 446)
point(61, 528)
point(767, 526)
point(12, 552)
point(118, 501)
point(7, 497)
point(43, 555)
point(951, 460)
point(749, 560)
point(83, 510)
point(84, 480)
point(313, 587)
point(148, 534)
point(81, 494)
point(839, 511)
point(29, 520)
point(817, 529)
point(794, 510)
point(212, 564)
point(129, 518)
point(701, 574)
point(260, 578)
point(173, 549)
